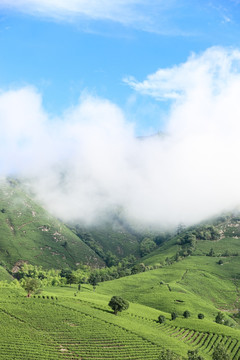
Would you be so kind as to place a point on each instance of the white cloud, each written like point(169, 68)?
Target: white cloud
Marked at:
point(117, 10)
point(141, 14)
point(89, 162)
point(208, 71)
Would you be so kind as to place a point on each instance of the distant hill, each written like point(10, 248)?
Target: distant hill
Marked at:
point(29, 233)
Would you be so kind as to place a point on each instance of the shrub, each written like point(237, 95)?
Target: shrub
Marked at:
point(173, 315)
point(186, 314)
point(219, 318)
point(201, 316)
point(161, 319)
point(193, 355)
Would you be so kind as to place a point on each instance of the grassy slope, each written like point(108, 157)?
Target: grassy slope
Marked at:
point(4, 275)
point(29, 233)
point(196, 283)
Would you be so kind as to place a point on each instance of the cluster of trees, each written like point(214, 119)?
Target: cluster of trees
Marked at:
point(186, 315)
point(219, 353)
point(84, 274)
point(219, 319)
point(205, 232)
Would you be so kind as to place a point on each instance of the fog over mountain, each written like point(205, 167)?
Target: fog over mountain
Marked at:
point(90, 161)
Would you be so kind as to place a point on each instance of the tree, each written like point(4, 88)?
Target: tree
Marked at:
point(146, 246)
point(220, 353)
point(161, 319)
point(186, 314)
point(93, 280)
point(118, 304)
point(201, 316)
point(219, 318)
point(71, 278)
point(173, 315)
point(31, 285)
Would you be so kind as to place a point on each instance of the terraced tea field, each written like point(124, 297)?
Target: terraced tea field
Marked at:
point(63, 326)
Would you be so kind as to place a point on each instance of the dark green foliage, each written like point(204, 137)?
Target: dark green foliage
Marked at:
point(71, 278)
point(201, 316)
point(94, 279)
point(186, 314)
point(187, 238)
point(161, 238)
point(220, 262)
point(206, 232)
point(167, 354)
point(173, 315)
point(220, 353)
point(161, 319)
point(219, 319)
point(110, 259)
point(146, 246)
point(193, 355)
point(211, 252)
point(118, 304)
point(138, 268)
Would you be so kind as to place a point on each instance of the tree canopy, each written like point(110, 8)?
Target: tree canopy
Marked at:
point(118, 304)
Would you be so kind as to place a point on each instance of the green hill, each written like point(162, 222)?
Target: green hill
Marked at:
point(196, 270)
point(29, 233)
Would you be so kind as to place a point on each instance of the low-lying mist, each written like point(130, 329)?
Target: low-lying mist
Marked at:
point(89, 162)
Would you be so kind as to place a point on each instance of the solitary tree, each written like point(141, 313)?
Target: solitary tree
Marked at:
point(173, 315)
point(219, 318)
point(118, 304)
point(31, 285)
point(93, 280)
point(161, 319)
point(201, 316)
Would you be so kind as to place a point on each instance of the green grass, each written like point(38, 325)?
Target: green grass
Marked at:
point(196, 284)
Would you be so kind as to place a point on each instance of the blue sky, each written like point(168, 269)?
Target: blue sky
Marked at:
point(66, 48)
point(81, 79)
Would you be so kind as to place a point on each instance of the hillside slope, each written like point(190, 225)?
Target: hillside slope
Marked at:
point(189, 273)
point(29, 233)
